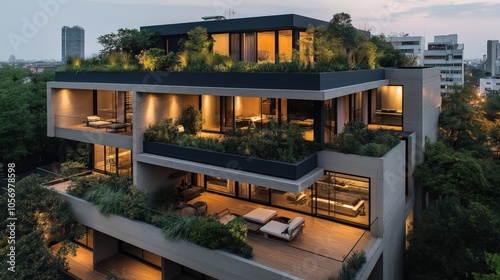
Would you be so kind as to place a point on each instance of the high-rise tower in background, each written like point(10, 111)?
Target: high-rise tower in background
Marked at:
point(73, 42)
point(493, 57)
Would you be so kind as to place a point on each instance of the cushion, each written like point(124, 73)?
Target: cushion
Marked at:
point(295, 223)
point(260, 215)
point(93, 118)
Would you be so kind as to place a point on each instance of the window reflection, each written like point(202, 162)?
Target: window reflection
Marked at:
point(285, 45)
point(266, 46)
point(221, 43)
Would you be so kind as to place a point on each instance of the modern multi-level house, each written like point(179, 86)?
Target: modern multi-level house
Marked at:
point(348, 202)
point(446, 53)
point(412, 46)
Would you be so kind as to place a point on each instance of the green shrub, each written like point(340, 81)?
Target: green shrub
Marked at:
point(192, 120)
point(273, 142)
point(350, 266)
point(72, 167)
point(235, 238)
point(206, 232)
point(164, 130)
point(358, 139)
point(164, 198)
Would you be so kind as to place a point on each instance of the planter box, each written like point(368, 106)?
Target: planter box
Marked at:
point(261, 166)
point(285, 80)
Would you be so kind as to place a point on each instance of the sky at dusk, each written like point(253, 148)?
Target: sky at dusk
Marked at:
point(32, 29)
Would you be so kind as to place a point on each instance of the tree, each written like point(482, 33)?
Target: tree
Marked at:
point(43, 220)
point(126, 40)
point(463, 126)
point(24, 109)
point(389, 56)
point(450, 240)
point(493, 262)
point(341, 27)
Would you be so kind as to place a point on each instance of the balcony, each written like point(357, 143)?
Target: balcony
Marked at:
point(279, 169)
point(75, 128)
point(315, 254)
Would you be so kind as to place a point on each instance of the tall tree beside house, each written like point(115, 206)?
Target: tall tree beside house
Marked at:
point(24, 113)
point(464, 126)
point(351, 38)
point(43, 220)
point(462, 221)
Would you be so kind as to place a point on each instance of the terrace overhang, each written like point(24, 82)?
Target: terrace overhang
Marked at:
point(277, 183)
point(300, 86)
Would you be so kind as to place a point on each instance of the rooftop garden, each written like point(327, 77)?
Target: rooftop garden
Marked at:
point(337, 47)
point(358, 139)
point(118, 196)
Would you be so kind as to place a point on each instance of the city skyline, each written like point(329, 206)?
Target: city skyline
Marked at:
point(33, 32)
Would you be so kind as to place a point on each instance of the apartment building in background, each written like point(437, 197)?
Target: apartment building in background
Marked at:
point(72, 42)
point(370, 205)
point(447, 54)
point(412, 46)
point(493, 57)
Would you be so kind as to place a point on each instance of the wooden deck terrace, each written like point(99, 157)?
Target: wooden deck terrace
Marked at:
point(317, 253)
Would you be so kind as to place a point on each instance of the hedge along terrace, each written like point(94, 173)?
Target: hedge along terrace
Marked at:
point(118, 196)
point(360, 140)
point(283, 142)
point(338, 47)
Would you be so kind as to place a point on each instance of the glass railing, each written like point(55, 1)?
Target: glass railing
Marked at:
point(70, 121)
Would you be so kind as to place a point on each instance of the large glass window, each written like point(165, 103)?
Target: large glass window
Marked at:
point(342, 197)
point(249, 47)
point(285, 45)
point(299, 202)
point(221, 43)
point(111, 160)
point(388, 106)
point(266, 46)
point(330, 119)
point(220, 185)
point(248, 112)
point(210, 111)
point(302, 113)
point(235, 47)
point(141, 254)
point(106, 104)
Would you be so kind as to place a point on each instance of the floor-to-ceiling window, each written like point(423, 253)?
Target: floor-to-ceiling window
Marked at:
point(221, 43)
point(249, 47)
point(107, 104)
point(111, 160)
point(330, 119)
point(285, 45)
point(388, 101)
point(210, 111)
point(266, 47)
point(342, 197)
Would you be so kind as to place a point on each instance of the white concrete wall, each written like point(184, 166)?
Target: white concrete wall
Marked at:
point(387, 200)
point(62, 103)
point(421, 102)
point(216, 263)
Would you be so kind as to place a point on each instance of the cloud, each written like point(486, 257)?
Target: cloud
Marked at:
point(472, 10)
